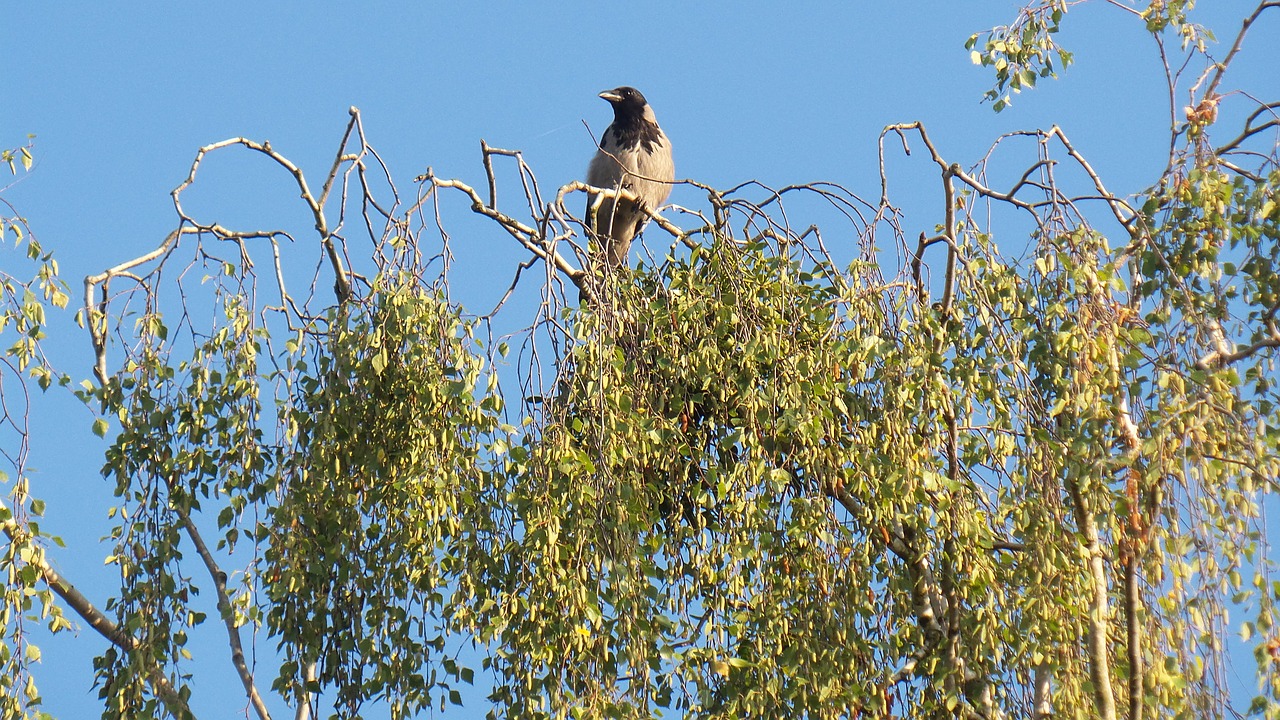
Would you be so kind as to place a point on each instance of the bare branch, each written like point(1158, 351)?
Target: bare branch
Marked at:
point(1224, 356)
point(948, 188)
point(228, 615)
point(1123, 213)
point(527, 236)
point(95, 312)
point(1221, 69)
point(1249, 129)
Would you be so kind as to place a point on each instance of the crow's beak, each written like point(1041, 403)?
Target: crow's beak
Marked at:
point(611, 96)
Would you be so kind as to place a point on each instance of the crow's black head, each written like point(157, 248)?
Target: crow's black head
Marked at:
point(627, 102)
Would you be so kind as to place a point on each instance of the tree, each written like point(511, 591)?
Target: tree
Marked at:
point(754, 476)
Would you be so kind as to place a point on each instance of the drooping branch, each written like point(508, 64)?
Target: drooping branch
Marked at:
point(94, 313)
point(550, 224)
point(1099, 617)
point(101, 624)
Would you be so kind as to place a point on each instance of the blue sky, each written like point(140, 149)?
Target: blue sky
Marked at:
point(121, 95)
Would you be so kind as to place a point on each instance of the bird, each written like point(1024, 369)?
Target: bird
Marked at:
point(634, 155)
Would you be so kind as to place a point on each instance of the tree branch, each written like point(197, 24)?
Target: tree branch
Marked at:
point(527, 236)
point(95, 312)
point(103, 625)
point(304, 701)
point(1099, 658)
point(932, 606)
point(949, 171)
point(228, 615)
point(1221, 68)
point(1132, 603)
point(1249, 130)
point(1042, 699)
point(1224, 356)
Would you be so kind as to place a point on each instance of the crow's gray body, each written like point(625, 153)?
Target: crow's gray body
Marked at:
point(634, 155)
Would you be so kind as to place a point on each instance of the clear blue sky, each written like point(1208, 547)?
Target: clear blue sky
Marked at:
point(121, 95)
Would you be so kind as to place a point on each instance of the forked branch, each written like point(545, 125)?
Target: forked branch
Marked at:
point(94, 312)
point(228, 615)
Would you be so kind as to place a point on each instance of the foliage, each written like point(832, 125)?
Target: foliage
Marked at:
point(384, 527)
point(23, 304)
point(1021, 52)
point(956, 477)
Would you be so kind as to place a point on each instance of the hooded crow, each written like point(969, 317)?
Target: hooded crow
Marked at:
point(634, 155)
